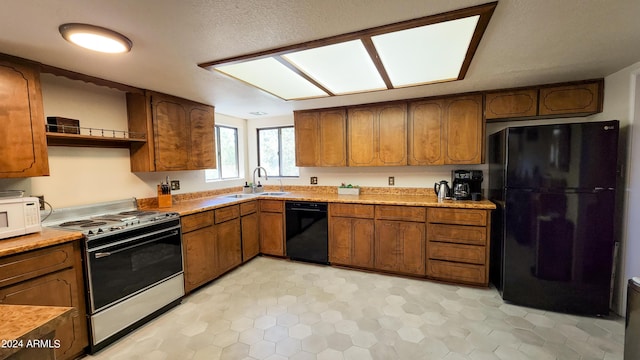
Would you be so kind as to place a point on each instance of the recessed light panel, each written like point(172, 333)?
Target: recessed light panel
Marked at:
point(272, 76)
point(341, 68)
point(426, 54)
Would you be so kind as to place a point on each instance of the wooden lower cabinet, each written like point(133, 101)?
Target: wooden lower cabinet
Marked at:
point(351, 241)
point(400, 246)
point(272, 227)
point(228, 245)
point(49, 277)
point(199, 257)
point(458, 245)
point(250, 236)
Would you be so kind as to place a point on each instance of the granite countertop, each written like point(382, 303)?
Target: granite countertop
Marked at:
point(186, 207)
point(21, 323)
point(44, 238)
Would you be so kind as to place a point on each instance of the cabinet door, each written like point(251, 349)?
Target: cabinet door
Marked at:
point(307, 140)
point(387, 245)
point(577, 99)
point(412, 241)
point(56, 289)
point(400, 246)
point(425, 123)
point(202, 153)
point(250, 239)
point(228, 246)
point(464, 130)
point(392, 135)
point(333, 138)
point(511, 104)
point(362, 249)
point(362, 142)
point(340, 238)
point(199, 257)
point(23, 152)
point(170, 133)
point(272, 233)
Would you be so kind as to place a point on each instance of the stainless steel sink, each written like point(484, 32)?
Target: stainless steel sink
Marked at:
point(276, 193)
point(239, 196)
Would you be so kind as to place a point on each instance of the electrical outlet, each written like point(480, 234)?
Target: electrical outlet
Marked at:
point(175, 184)
point(314, 180)
point(41, 197)
point(392, 180)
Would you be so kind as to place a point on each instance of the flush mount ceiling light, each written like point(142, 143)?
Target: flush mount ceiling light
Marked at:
point(95, 38)
point(421, 51)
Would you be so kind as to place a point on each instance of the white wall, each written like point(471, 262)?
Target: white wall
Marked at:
point(81, 175)
point(622, 102)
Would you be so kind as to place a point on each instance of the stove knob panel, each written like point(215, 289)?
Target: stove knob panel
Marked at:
point(100, 231)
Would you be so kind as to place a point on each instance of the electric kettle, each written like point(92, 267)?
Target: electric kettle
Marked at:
point(442, 189)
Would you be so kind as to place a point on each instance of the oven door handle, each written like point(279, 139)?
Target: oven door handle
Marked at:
point(107, 253)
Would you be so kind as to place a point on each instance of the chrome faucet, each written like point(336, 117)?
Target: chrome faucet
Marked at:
point(254, 187)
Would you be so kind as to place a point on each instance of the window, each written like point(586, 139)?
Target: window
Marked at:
point(226, 155)
point(277, 151)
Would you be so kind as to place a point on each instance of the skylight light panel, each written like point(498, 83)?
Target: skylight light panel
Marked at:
point(426, 54)
point(341, 68)
point(272, 76)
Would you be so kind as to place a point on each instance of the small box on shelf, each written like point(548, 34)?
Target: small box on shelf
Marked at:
point(63, 125)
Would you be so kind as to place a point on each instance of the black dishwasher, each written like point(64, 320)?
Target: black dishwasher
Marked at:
point(307, 231)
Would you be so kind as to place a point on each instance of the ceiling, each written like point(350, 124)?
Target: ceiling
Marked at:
point(526, 42)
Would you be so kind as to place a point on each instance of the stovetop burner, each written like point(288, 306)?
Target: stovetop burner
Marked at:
point(98, 220)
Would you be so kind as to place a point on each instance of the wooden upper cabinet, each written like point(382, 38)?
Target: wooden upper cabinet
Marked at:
point(464, 130)
point(511, 104)
point(425, 141)
point(180, 133)
point(377, 136)
point(446, 131)
point(545, 101)
point(575, 99)
point(321, 138)
point(23, 152)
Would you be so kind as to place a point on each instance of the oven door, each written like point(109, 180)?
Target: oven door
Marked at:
point(122, 268)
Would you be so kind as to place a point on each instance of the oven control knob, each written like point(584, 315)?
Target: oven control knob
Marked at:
point(90, 232)
point(99, 231)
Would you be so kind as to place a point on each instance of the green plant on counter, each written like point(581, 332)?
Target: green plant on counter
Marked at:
point(349, 186)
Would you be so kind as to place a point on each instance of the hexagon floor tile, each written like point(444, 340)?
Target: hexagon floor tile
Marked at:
point(277, 309)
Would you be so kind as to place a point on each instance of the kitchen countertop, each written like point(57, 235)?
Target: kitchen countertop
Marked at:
point(26, 322)
point(44, 238)
point(186, 207)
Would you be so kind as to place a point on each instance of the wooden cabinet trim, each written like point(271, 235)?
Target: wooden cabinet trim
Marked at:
point(272, 206)
point(351, 210)
point(461, 234)
point(457, 216)
point(511, 104)
point(401, 213)
point(452, 271)
point(247, 208)
point(226, 213)
point(21, 267)
point(455, 252)
point(196, 221)
point(570, 99)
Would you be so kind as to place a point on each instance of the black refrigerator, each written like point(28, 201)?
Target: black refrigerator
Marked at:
point(552, 239)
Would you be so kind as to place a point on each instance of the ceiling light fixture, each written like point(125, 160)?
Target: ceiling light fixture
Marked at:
point(426, 50)
point(95, 38)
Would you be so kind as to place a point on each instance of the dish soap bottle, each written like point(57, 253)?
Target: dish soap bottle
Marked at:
point(246, 188)
point(259, 188)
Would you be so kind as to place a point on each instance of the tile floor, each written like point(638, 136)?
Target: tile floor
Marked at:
point(276, 309)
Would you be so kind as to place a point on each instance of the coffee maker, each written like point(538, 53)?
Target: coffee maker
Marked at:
point(466, 183)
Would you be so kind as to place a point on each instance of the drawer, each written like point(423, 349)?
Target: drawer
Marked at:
point(473, 235)
point(196, 221)
point(227, 213)
point(458, 272)
point(248, 208)
point(351, 210)
point(272, 206)
point(405, 213)
point(35, 263)
point(457, 216)
point(456, 252)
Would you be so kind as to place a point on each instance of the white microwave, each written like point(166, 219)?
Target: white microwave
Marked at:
point(19, 216)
